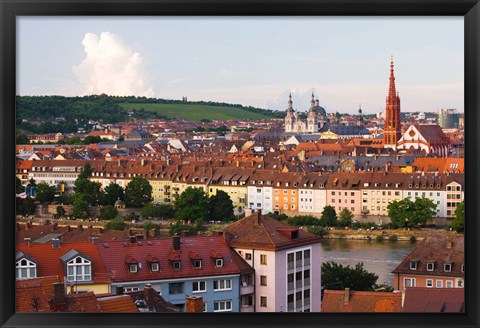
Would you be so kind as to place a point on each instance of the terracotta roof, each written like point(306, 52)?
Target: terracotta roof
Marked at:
point(437, 249)
point(335, 301)
point(30, 296)
point(432, 133)
point(262, 232)
point(49, 262)
point(434, 300)
point(120, 303)
point(114, 253)
point(82, 302)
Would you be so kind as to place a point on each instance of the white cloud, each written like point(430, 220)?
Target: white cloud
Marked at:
point(180, 80)
point(111, 67)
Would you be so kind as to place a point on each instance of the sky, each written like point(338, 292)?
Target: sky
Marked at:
point(253, 61)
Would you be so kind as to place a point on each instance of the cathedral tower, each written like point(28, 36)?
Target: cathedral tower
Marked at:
point(289, 118)
point(392, 129)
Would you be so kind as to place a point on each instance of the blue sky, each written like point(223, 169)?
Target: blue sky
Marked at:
point(247, 60)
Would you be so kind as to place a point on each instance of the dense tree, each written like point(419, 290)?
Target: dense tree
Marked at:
point(108, 212)
point(458, 224)
point(151, 210)
point(408, 213)
point(80, 207)
point(45, 193)
point(25, 206)
point(19, 188)
point(192, 205)
point(317, 230)
point(89, 189)
point(221, 206)
point(60, 211)
point(112, 193)
point(115, 224)
point(345, 218)
point(328, 217)
point(335, 276)
point(138, 192)
point(21, 139)
point(149, 225)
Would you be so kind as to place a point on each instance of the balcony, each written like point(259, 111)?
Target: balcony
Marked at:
point(176, 188)
point(166, 193)
point(247, 308)
point(246, 289)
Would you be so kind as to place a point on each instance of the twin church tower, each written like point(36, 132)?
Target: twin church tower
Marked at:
point(317, 117)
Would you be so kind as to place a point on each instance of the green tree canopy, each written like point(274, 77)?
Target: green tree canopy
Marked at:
point(336, 277)
point(60, 211)
point(19, 188)
point(138, 192)
point(45, 193)
point(328, 217)
point(116, 224)
point(406, 213)
point(80, 206)
point(149, 225)
point(25, 206)
point(108, 212)
point(221, 206)
point(345, 218)
point(458, 224)
point(112, 193)
point(151, 210)
point(192, 205)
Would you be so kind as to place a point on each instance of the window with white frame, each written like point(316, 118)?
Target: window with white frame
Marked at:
point(26, 269)
point(133, 268)
point(197, 264)
point(439, 283)
point(430, 283)
point(130, 289)
point(447, 267)
point(413, 265)
point(463, 267)
point(223, 284)
point(199, 286)
point(176, 265)
point(79, 269)
point(409, 282)
point(222, 306)
point(219, 263)
point(155, 266)
point(430, 266)
point(449, 283)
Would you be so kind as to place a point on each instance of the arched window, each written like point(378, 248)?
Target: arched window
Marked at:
point(26, 269)
point(79, 269)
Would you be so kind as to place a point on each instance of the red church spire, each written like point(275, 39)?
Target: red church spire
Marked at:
point(392, 127)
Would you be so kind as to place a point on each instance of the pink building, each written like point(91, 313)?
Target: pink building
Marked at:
point(286, 261)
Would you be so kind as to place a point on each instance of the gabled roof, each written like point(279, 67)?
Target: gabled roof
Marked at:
point(120, 303)
point(49, 262)
point(420, 299)
point(353, 301)
point(162, 248)
point(262, 232)
point(439, 249)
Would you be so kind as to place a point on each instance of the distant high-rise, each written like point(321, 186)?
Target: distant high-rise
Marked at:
point(448, 118)
point(392, 129)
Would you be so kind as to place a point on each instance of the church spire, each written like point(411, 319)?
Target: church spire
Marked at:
point(392, 93)
point(290, 102)
point(392, 129)
point(312, 102)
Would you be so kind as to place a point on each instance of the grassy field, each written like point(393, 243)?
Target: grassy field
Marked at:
point(197, 112)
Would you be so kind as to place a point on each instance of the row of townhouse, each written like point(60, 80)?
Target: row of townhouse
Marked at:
point(257, 264)
point(293, 193)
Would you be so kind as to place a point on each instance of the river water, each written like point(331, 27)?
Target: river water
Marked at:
point(377, 257)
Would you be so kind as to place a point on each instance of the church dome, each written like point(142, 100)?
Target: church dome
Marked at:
point(320, 111)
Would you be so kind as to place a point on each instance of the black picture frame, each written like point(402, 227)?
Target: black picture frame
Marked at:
point(470, 9)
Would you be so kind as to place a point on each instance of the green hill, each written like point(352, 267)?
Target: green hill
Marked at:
point(195, 112)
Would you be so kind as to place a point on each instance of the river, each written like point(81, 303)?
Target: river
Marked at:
point(377, 257)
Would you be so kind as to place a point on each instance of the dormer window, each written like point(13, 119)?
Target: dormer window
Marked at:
point(25, 269)
point(177, 265)
point(79, 269)
point(219, 263)
point(197, 264)
point(463, 267)
point(447, 267)
point(430, 266)
point(155, 267)
point(413, 265)
point(133, 268)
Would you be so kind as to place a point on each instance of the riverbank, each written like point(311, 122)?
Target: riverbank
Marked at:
point(386, 234)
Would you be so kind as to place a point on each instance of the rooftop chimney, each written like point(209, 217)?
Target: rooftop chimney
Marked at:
point(55, 243)
point(59, 297)
point(346, 296)
point(119, 290)
point(149, 295)
point(258, 217)
point(176, 242)
point(80, 227)
point(194, 304)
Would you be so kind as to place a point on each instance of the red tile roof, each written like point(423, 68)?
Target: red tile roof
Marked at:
point(263, 232)
point(114, 253)
point(335, 301)
point(438, 249)
point(49, 262)
point(434, 300)
point(30, 296)
point(120, 303)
